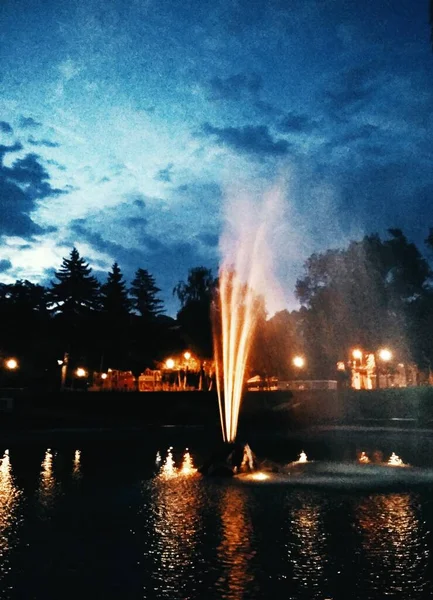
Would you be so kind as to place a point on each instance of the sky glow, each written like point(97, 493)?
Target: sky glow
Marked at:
point(127, 127)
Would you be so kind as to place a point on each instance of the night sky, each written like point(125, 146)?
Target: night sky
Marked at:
point(126, 126)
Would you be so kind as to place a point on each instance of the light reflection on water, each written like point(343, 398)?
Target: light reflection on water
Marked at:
point(307, 548)
point(235, 550)
point(176, 520)
point(49, 488)
point(395, 545)
point(10, 516)
point(191, 537)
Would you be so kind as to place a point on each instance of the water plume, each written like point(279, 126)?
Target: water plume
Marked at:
point(245, 279)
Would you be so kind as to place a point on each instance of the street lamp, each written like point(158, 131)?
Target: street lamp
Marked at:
point(169, 363)
point(187, 355)
point(11, 364)
point(80, 372)
point(357, 354)
point(299, 362)
point(384, 355)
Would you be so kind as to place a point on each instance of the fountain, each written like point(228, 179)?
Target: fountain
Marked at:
point(245, 272)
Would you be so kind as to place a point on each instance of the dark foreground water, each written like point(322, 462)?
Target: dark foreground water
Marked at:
point(99, 524)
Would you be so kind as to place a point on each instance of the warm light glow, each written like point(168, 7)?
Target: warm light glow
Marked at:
point(363, 458)
point(357, 354)
point(187, 468)
point(187, 355)
point(169, 363)
point(299, 361)
point(396, 461)
point(302, 458)
point(80, 372)
point(385, 354)
point(11, 363)
point(104, 375)
point(259, 476)
point(76, 470)
point(341, 366)
point(168, 470)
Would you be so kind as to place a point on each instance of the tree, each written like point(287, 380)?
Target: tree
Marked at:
point(199, 286)
point(75, 301)
point(144, 293)
point(194, 317)
point(114, 296)
point(76, 293)
point(364, 295)
point(114, 322)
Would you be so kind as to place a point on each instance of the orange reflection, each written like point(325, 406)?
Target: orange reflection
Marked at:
point(176, 522)
point(394, 542)
point(10, 496)
point(308, 549)
point(48, 487)
point(235, 551)
point(76, 468)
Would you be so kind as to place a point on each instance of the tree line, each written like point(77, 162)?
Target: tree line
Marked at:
point(98, 325)
point(373, 293)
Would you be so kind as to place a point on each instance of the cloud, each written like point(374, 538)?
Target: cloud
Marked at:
point(5, 265)
point(47, 143)
point(5, 127)
point(29, 123)
point(352, 90)
point(297, 123)
point(235, 88)
point(209, 239)
point(21, 186)
point(165, 174)
point(250, 139)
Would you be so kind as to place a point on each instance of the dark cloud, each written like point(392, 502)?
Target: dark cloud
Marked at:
point(165, 174)
point(297, 123)
point(29, 123)
point(5, 265)
point(135, 222)
point(209, 239)
point(251, 139)
point(21, 185)
point(352, 90)
point(47, 143)
point(237, 87)
point(5, 127)
point(158, 259)
point(5, 149)
point(56, 164)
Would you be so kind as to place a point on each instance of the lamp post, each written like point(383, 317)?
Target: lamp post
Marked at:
point(384, 355)
point(299, 362)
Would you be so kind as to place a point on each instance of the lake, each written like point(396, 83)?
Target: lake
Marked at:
point(86, 515)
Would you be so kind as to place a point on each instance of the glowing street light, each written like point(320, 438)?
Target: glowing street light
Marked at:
point(385, 354)
point(187, 355)
point(299, 362)
point(169, 363)
point(80, 372)
point(104, 375)
point(11, 364)
point(357, 354)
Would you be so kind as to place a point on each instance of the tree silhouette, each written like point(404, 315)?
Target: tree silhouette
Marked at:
point(114, 296)
point(194, 317)
point(144, 293)
point(76, 293)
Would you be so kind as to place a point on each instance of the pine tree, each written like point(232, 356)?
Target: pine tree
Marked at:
point(114, 296)
point(144, 293)
point(76, 293)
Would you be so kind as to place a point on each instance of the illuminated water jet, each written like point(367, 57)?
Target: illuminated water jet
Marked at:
point(245, 273)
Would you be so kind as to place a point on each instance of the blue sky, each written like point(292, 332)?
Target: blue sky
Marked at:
point(125, 127)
